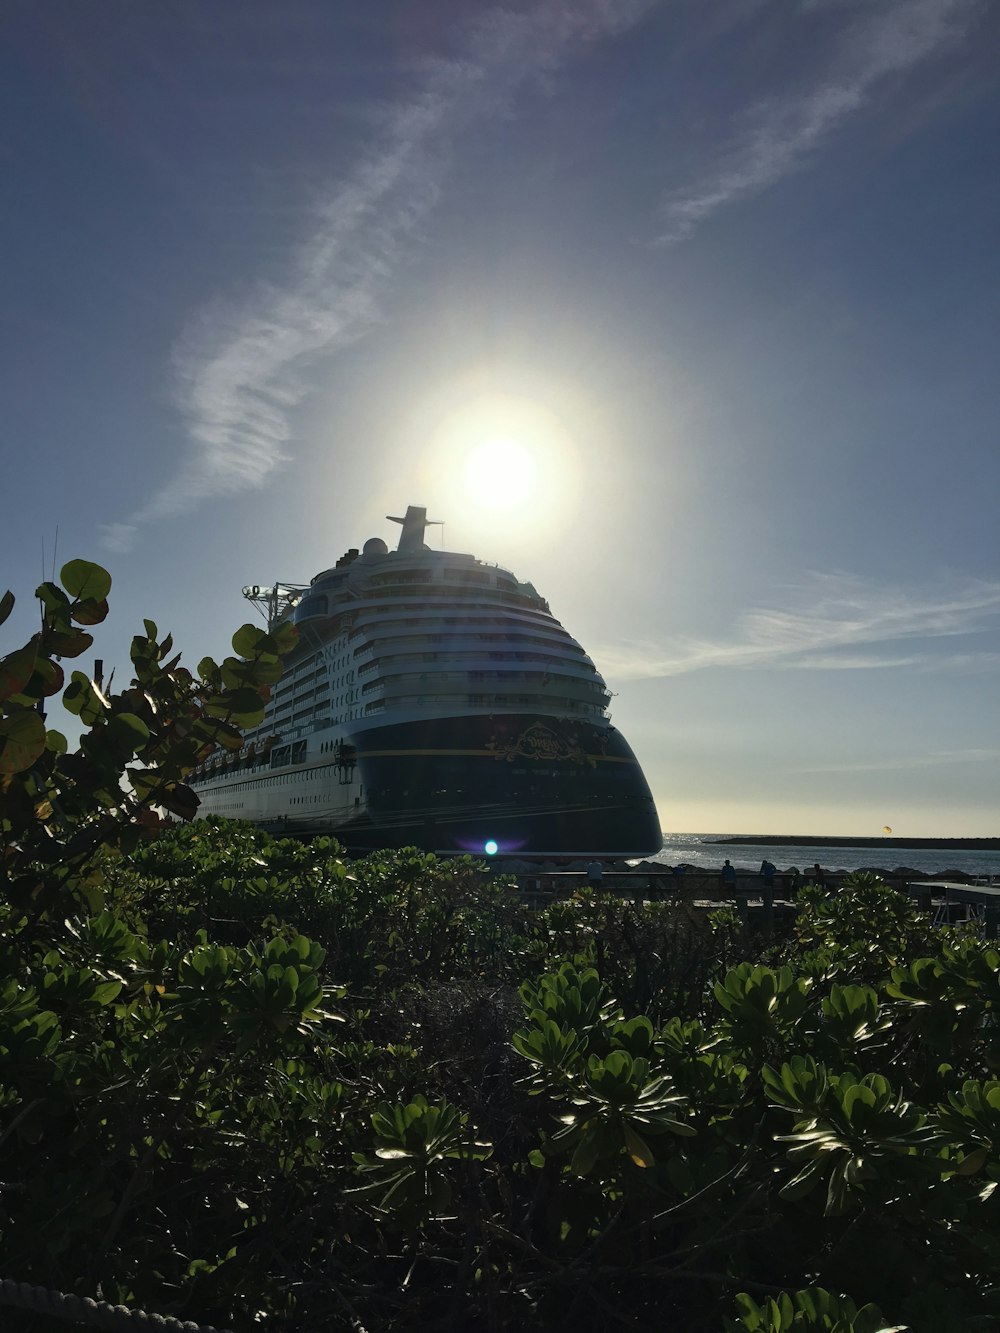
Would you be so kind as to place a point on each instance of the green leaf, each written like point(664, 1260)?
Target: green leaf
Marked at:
point(285, 637)
point(85, 581)
point(82, 697)
point(54, 599)
point(6, 605)
point(22, 740)
point(244, 706)
point(638, 1148)
point(247, 639)
point(129, 729)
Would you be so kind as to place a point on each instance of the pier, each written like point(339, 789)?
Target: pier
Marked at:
point(951, 901)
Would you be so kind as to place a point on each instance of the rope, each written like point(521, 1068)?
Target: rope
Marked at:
point(84, 1310)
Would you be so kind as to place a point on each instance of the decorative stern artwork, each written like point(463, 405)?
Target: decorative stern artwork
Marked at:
point(540, 742)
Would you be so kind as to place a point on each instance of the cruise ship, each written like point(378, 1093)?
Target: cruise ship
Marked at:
point(433, 700)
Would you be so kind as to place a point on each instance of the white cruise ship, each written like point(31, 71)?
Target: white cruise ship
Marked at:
point(433, 700)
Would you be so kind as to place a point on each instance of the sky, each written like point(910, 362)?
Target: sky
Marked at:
point(686, 312)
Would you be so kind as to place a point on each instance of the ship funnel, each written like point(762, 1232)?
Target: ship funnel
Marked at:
point(414, 524)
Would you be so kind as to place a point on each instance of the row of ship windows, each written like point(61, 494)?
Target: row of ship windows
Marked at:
point(549, 659)
point(501, 598)
point(489, 700)
point(480, 630)
point(292, 695)
point(590, 687)
point(292, 692)
point(484, 616)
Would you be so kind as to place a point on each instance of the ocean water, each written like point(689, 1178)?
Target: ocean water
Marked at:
point(695, 849)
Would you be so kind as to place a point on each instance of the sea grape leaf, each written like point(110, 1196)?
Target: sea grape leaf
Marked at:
point(85, 581)
point(53, 598)
point(236, 672)
point(179, 800)
point(71, 644)
point(46, 679)
point(228, 736)
point(243, 706)
point(16, 669)
point(252, 641)
point(208, 670)
point(82, 697)
point(90, 611)
point(22, 740)
point(285, 637)
point(129, 729)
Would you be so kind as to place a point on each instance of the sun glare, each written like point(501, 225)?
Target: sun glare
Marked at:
point(504, 463)
point(500, 474)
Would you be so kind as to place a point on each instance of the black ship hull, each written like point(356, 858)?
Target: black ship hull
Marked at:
point(511, 785)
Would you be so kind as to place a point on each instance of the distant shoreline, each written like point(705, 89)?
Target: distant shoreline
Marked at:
point(917, 844)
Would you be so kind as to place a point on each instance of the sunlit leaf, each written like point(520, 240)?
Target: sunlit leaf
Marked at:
point(85, 581)
point(638, 1148)
point(83, 698)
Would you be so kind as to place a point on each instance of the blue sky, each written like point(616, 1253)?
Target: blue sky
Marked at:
point(722, 277)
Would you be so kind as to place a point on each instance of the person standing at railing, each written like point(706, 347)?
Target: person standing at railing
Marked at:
point(767, 872)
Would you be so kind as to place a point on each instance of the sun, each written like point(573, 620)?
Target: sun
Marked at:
point(503, 466)
point(500, 473)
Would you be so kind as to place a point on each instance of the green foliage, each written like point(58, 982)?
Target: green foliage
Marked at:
point(811, 1311)
point(250, 1082)
point(409, 1180)
point(61, 810)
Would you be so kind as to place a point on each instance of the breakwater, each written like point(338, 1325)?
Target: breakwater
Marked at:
point(918, 844)
point(706, 851)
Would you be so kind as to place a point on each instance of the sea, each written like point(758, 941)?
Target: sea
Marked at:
point(696, 849)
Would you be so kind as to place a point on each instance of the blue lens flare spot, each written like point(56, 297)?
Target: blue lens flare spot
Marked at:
point(491, 848)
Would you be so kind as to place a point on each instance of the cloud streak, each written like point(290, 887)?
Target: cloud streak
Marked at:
point(936, 759)
point(242, 368)
point(836, 615)
point(777, 136)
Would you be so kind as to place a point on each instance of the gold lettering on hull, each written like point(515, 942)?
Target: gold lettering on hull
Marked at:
point(540, 742)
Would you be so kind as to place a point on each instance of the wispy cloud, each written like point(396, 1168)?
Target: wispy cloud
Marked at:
point(777, 136)
point(936, 759)
point(241, 368)
point(828, 621)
